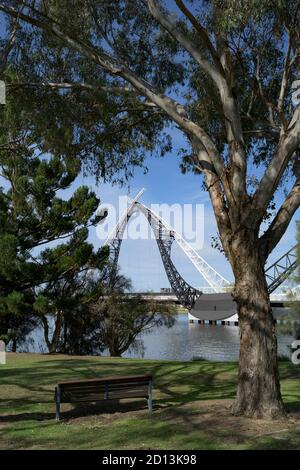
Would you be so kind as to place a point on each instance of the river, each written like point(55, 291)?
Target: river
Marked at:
point(184, 341)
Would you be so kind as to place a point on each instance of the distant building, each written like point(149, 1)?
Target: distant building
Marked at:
point(166, 290)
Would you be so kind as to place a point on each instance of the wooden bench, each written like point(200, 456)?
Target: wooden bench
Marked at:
point(108, 388)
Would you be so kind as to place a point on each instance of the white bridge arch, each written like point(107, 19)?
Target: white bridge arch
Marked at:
point(216, 306)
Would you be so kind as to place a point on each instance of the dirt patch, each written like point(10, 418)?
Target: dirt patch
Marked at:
point(215, 418)
point(104, 414)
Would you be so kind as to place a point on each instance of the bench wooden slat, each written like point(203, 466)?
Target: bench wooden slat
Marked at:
point(103, 385)
point(128, 394)
point(110, 379)
point(103, 390)
point(96, 396)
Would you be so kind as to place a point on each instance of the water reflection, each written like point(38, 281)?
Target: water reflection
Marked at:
point(186, 341)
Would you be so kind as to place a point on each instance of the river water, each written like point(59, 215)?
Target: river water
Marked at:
point(184, 342)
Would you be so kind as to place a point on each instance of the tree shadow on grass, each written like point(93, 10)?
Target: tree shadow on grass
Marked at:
point(203, 384)
point(167, 376)
point(174, 383)
point(181, 391)
point(293, 407)
point(79, 411)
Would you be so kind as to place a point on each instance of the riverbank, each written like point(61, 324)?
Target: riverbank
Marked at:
point(191, 407)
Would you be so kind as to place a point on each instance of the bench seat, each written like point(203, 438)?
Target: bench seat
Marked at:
point(107, 388)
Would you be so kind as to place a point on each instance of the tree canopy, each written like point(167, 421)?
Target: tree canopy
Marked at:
point(114, 75)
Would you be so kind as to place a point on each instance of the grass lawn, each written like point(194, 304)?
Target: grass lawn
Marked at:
point(191, 407)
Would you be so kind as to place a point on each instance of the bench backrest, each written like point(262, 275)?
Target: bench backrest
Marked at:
point(108, 388)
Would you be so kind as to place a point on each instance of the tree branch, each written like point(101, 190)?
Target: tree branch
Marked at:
point(167, 24)
point(10, 43)
point(230, 107)
point(202, 33)
point(281, 221)
point(284, 81)
point(263, 96)
point(71, 86)
point(288, 144)
point(116, 90)
point(172, 108)
point(214, 187)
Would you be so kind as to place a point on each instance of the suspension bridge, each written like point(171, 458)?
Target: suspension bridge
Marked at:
point(218, 305)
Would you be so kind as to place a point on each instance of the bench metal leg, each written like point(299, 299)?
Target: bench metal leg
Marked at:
point(57, 411)
point(149, 399)
point(57, 403)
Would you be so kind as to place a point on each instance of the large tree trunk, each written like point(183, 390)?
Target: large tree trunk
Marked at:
point(258, 393)
point(53, 343)
point(14, 345)
point(114, 353)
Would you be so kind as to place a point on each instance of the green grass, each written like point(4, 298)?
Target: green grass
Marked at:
point(191, 407)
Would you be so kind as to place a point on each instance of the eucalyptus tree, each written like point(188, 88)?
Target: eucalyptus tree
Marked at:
point(223, 73)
